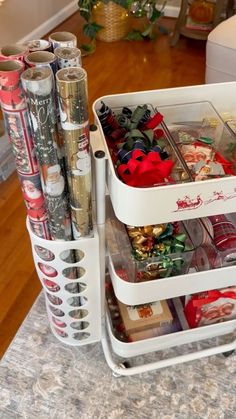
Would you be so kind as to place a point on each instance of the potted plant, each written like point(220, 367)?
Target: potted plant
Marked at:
point(147, 14)
point(110, 20)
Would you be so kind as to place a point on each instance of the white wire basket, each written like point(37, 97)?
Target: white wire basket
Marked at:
point(72, 289)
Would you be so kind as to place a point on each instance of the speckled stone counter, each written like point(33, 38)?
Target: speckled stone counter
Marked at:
point(41, 378)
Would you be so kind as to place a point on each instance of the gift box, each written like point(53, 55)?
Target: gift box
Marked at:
point(169, 321)
point(211, 307)
point(144, 316)
point(205, 142)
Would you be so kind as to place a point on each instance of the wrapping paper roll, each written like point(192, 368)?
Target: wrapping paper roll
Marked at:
point(38, 45)
point(73, 97)
point(11, 91)
point(209, 233)
point(17, 125)
point(42, 59)
point(63, 39)
point(73, 105)
point(206, 257)
point(68, 57)
point(13, 52)
point(201, 230)
point(38, 86)
point(48, 59)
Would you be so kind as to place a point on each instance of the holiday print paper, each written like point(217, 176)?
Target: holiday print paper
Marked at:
point(73, 105)
point(38, 85)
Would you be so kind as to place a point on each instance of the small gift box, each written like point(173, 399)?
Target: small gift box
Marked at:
point(211, 307)
point(140, 149)
point(144, 316)
point(205, 142)
point(135, 323)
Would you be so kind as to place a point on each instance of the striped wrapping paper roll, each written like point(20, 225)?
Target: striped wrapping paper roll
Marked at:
point(224, 232)
point(73, 105)
point(38, 87)
point(17, 124)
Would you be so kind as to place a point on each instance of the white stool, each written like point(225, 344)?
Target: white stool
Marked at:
point(221, 52)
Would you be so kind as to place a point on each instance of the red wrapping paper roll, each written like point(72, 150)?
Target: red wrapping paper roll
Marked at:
point(13, 52)
point(18, 127)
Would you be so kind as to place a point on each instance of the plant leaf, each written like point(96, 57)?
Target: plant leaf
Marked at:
point(134, 36)
point(155, 15)
point(91, 29)
point(87, 48)
point(147, 31)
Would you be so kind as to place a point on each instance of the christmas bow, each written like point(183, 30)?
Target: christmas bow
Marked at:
point(145, 169)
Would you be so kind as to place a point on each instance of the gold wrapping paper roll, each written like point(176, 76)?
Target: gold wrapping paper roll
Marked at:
point(73, 105)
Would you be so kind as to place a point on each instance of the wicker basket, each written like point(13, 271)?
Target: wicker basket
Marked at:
point(113, 18)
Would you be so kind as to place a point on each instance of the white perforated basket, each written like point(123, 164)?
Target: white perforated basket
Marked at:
point(72, 290)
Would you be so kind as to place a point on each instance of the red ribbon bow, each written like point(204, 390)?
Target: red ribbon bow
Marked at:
point(145, 169)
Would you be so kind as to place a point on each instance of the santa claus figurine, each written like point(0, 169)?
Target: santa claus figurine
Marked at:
point(55, 182)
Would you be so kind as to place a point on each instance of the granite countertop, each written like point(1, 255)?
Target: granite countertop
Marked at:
point(42, 378)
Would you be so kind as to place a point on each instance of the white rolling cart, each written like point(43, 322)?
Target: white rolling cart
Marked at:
point(139, 206)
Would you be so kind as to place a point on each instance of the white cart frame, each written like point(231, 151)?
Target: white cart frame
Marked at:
point(125, 199)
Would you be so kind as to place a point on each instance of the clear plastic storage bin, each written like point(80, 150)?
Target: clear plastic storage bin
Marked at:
point(205, 142)
point(121, 154)
point(129, 269)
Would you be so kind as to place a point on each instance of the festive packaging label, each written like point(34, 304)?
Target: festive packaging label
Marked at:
point(211, 307)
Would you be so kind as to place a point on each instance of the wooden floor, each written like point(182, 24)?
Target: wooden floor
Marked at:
point(114, 68)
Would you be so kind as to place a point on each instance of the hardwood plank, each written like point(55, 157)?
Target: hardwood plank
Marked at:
point(117, 67)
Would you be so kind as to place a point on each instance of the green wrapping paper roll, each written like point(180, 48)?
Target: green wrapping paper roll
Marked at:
point(73, 105)
point(38, 87)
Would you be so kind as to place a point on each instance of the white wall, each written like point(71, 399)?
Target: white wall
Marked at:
point(31, 19)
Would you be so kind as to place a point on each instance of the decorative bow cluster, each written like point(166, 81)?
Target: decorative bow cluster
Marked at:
point(156, 240)
point(137, 145)
point(163, 268)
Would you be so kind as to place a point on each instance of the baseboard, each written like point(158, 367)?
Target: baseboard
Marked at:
point(51, 23)
point(172, 11)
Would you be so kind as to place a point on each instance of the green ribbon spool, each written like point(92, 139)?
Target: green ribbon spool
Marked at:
point(137, 115)
point(124, 121)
